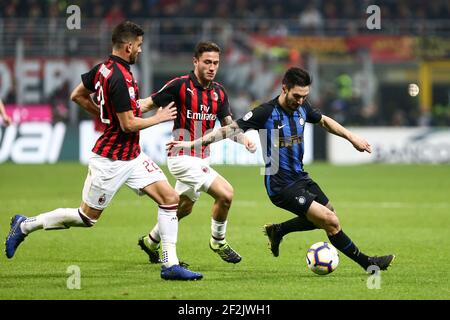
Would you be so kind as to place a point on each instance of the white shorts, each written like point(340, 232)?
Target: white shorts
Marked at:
point(106, 176)
point(193, 175)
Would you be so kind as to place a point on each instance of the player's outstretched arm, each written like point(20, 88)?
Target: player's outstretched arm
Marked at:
point(334, 127)
point(130, 123)
point(146, 104)
point(214, 136)
point(240, 137)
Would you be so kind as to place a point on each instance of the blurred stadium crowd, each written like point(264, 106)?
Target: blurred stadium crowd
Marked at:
point(315, 11)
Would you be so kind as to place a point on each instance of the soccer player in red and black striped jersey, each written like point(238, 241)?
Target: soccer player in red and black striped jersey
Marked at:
point(117, 158)
point(200, 101)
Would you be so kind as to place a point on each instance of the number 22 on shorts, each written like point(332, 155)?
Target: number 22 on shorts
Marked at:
point(150, 166)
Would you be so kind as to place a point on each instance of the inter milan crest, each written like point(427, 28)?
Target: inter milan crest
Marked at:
point(302, 121)
point(247, 116)
point(301, 200)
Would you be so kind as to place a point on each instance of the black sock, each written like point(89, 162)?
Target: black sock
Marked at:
point(344, 244)
point(296, 224)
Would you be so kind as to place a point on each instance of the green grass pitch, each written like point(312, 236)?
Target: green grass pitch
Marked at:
point(400, 209)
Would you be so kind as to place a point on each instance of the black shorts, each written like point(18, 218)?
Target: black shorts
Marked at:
point(297, 198)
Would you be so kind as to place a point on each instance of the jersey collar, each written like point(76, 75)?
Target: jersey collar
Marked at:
point(120, 60)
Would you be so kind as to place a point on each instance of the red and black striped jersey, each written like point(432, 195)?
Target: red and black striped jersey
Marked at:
point(198, 108)
point(115, 91)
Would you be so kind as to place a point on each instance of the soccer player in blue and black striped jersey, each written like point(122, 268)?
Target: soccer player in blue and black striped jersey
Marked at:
point(281, 124)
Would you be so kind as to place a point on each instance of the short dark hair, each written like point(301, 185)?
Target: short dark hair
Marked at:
point(125, 32)
point(205, 46)
point(296, 77)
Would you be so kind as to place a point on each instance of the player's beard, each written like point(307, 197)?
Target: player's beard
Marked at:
point(133, 58)
point(291, 103)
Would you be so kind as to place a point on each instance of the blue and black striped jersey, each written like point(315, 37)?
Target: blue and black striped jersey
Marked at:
point(281, 135)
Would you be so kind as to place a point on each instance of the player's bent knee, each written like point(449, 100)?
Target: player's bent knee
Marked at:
point(89, 215)
point(226, 200)
point(333, 225)
point(228, 195)
point(231, 192)
point(329, 221)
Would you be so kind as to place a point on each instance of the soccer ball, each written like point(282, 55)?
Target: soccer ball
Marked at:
point(322, 258)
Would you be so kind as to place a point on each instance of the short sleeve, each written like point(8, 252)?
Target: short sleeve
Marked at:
point(88, 78)
point(168, 93)
point(224, 110)
point(255, 119)
point(313, 115)
point(118, 92)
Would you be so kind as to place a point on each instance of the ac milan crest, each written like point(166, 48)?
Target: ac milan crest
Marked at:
point(102, 199)
point(205, 169)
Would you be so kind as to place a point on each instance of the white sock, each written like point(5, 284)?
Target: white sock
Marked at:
point(153, 237)
point(61, 218)
point(168, 227)
point(218, 230)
